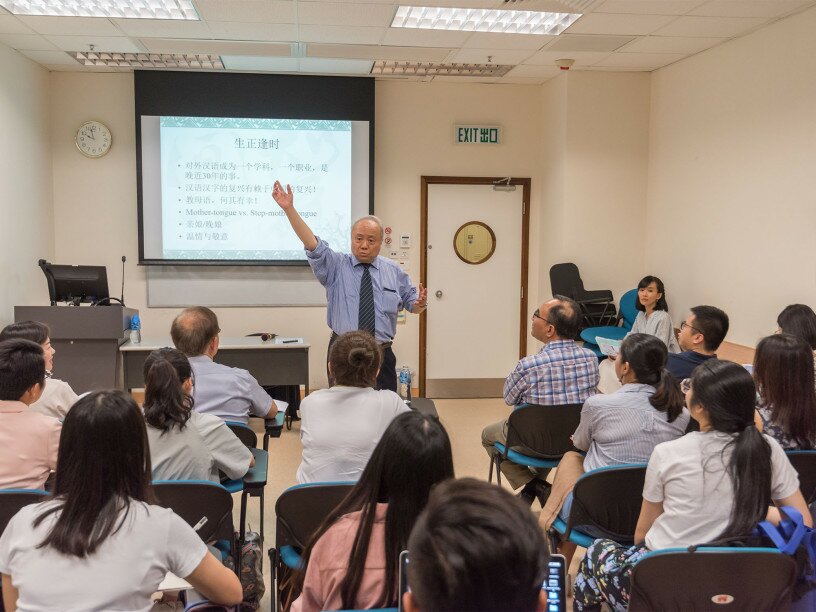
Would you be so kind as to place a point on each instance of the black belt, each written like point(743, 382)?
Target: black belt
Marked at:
point(383, 345)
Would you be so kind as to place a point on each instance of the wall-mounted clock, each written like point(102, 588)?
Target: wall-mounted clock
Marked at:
point(93, 139)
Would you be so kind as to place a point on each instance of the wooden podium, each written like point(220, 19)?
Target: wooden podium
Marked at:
point(86, 340)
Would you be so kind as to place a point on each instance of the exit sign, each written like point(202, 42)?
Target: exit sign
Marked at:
point(477, 134)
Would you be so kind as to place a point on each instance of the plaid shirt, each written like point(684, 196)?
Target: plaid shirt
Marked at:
point(560, 373)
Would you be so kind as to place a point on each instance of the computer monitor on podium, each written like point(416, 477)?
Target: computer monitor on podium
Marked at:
point(75, 284)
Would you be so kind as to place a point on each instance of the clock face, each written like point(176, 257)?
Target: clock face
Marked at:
point(93, 139)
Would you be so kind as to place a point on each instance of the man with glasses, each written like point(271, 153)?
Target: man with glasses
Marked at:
point(700, 336)
point(560, 373)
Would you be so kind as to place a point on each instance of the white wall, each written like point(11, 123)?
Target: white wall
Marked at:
point(732, 196)
point(25, 182)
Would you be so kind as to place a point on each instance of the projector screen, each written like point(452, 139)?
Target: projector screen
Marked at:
point(207, 185)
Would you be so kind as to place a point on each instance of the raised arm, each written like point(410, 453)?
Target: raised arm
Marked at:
point(285, 200)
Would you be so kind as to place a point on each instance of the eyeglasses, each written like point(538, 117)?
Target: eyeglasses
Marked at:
point(537, 315)
point(684, 325)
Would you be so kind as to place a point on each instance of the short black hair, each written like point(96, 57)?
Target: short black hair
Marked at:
point(712, 323)
point(799, 320)
point(476, 547)
point(22, 365)
point(565, 317)
point(662, 304)
point(26, 330)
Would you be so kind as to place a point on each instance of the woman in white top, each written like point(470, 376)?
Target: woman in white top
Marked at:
point(340, 426)
point(716, 483)
point(653, 319)
point(186, 445)
point(57, 396)
point(98, 544)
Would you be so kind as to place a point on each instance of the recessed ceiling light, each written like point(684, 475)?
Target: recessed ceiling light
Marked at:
point(122, 9)
point(187, 61)
point(424, 69)
point(482, 20)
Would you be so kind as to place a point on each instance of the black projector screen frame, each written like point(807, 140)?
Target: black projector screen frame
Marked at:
point(257, 96)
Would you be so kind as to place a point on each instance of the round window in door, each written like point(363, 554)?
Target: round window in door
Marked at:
point(474, 242)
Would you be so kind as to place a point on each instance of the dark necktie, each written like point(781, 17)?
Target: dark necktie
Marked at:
point(366, 315)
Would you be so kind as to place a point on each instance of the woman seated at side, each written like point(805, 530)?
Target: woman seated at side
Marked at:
point(653, 319)
point(716, 483)
point(186, 445)
point(352, 561)
point(340, 426)
point(99, 544)
point(57, 396)
point(799, 320)
point(622, 427)
point(784, 377)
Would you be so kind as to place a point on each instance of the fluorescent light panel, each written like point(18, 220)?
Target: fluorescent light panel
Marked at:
point(121, 9)
point(482, 20)
point(386, 68)
point(186, 61)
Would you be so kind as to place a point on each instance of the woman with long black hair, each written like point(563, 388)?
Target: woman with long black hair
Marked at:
point(715, 483)
point(352, 561)
point(99, 544)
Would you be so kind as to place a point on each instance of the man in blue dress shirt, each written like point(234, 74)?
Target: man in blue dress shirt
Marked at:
point(364, 291)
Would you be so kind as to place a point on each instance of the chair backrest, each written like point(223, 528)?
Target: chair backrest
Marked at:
point(566, 280)
point(609, 498)
point(301, 509)
point(628, 308)
point(720, 579)
point(244, 433)
point(12, 500)
point(804, 462)
point(194, 500)
point(543, 431)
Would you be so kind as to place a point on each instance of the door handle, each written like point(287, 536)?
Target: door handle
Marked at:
point(438, 293)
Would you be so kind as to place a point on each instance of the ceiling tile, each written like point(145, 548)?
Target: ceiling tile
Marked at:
point(466, 80)
point(749, 8)
point(80, 68)
point(266, 11)
point(511, 80)
point(378, 52)
point(56, 58)
point(611, 23)
point(424, 38)
point(335, 66)
point(29, 42)
point(9, 24)
point(671, 44)
point(262, 64)
point(234, 30)
point(649, 7)
point(641, 61)
point(71, 26)
point(582, 58)
point(171, 28)
point(340, 34)
point(492, 40)
point(114, 44)
point(501, 56)
point(588, 42)
point(346, 13)
point(710, 26)
point(526, 70)
point(217, 47)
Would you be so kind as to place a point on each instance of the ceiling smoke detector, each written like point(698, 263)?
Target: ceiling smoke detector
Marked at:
point(564, 64)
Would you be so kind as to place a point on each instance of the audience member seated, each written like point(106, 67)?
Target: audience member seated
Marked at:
point(783, 372)
point(352, 561)
point(230, 393)
point(799, 320)
point(98, 544)
point(653, 319)
point(700, 336)
point(341, 425)
point(711, 484)
point(186, 445)
point(475, 548)
point(57, 396)
point(560, 373)
point(28, 440)
point(622, 427)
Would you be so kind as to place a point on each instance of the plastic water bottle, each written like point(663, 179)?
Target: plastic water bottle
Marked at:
point(405, 383)
point(135, 330)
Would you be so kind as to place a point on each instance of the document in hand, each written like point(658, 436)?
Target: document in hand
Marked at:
point(608, 347)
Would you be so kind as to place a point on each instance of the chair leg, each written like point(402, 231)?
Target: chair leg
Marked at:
point(490, 471)
point(262, 516)
point(498, 469)
point(266, 442)
point(242, 531)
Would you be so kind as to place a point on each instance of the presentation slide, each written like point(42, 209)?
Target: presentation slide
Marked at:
point(207, 185)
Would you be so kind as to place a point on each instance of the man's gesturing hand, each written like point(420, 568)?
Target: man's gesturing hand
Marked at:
point(422, 300)
point(285, 199)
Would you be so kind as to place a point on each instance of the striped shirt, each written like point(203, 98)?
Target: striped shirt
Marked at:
point(340, 274)
point(623, 427)
point(560, 373)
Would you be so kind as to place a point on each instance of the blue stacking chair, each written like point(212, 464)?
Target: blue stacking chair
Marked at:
point(712, 579)
point(627, 313)
point(608, 499)
point(250, 439)
point(537, 436)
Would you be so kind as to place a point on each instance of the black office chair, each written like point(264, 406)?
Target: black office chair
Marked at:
point(609, 499)
point(597, 307)
point(537, 436)
point(804, 462)
point(712, 579)
point(300, 510)
point(12, 500)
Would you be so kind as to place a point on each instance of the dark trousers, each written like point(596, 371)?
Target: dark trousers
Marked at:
point(387, 378)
